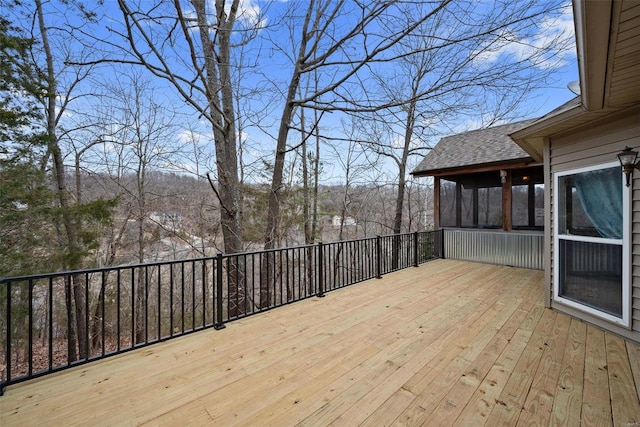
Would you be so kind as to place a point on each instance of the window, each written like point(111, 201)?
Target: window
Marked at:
point(591, 262)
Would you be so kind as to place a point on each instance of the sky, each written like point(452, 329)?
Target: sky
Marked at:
point(266, 73)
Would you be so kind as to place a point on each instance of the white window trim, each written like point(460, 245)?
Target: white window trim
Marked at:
point(625, 242)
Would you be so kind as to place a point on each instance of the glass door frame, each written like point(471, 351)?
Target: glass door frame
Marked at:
point(624, 242)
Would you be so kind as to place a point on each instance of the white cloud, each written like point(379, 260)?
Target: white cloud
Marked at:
point(189, 168)
point(66, 114)
point(109, 147)
point(249, 16)
point(472, 123)
point(249, 13)
point(461, 126)
point(189, 136)
point(553, 45)
point(397, 142)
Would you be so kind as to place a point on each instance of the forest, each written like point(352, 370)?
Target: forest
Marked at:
point(176, 224)
point(117, 116)
point(136, 132)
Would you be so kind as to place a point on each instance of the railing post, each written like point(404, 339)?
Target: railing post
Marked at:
point(378, 257)
point(30, 333)
point(7, 360)
point(219, 324)
point(415, 248)
point(320, 270)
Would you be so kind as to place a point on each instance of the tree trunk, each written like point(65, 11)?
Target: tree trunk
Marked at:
point(97, 320)
point(79, 296)
point(140, 288)
point(217, 65)
point(314, 207)
point(306, 214)
point(72, 340)
point(273, 213)
point(402, 179)
point(71, 227)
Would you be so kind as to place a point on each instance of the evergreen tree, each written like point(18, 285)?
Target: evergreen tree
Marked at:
point(30, 215)
point(25, 199)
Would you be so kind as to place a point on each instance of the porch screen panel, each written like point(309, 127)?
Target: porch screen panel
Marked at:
point(527, 206)
point(447, 203)
point(538, 207)
point(520, 205)
point(467, 207)
point(490, 207)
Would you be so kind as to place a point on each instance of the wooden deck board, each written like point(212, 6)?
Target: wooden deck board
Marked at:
point(568, 395)
point(625, 407)
point(540, 398)
point(448, 343)
point(596, 406)
point(634, 361)
point(510, 402)
point(459, 396)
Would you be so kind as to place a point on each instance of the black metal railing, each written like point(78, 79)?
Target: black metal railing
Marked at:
point(51, 322)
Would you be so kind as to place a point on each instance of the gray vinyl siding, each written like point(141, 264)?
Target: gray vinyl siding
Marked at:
point(598, 143)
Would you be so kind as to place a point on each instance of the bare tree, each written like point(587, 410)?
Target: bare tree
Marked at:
point(143, 131)
point(464, 61)
point(63, 87)
point(192, 49)
point(419, 204)
point(339, 40)
point(336, 48)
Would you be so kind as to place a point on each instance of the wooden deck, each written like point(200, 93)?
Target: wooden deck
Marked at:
point(448, 343)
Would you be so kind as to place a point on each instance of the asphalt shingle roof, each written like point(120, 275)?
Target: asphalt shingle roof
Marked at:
point(475, 147)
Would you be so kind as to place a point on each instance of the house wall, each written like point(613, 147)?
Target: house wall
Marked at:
point(597, 143)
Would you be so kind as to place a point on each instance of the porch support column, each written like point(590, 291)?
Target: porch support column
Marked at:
point(506, 203)
point(436, 202)
point(532, 204)
point(458, 205)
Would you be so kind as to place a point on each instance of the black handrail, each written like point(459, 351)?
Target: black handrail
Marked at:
point(50, 322)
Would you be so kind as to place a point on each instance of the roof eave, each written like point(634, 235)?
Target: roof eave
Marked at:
point(531, 138)
point(482, 167)
point(593, 29)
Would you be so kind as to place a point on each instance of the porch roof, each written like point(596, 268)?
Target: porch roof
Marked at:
point(480, 147)
point(450, 342)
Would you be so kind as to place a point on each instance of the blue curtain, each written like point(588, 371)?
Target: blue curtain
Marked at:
point(600, 193)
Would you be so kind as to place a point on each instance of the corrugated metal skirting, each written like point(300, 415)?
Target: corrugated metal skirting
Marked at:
point(513, 249)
